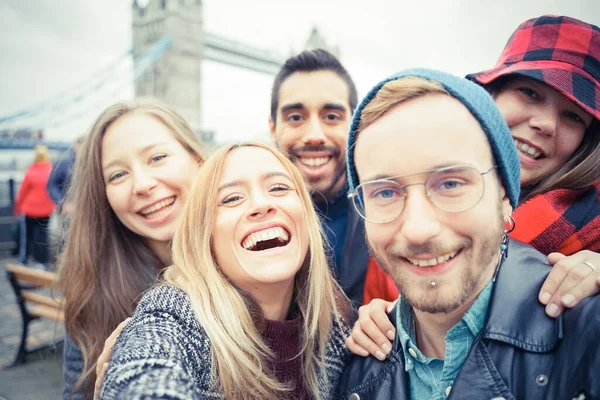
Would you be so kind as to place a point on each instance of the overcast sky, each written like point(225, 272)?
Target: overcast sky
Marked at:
point(49, 46)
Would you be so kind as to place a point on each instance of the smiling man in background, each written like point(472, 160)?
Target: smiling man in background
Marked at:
point(312, 101)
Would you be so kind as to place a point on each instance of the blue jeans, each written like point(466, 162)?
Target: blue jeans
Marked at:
point(33, 239)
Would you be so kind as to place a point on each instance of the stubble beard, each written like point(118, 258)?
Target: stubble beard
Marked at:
point(444, 296)
point(321, 191)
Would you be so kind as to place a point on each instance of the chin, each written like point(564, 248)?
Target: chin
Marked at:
point(277, 274)
point(435, 303)
point(161, 236)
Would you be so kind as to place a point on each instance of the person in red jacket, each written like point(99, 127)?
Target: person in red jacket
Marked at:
point(34, 207)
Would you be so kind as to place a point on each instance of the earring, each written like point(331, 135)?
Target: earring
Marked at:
point(512, 224)
point(505, 237)
point(504, 244)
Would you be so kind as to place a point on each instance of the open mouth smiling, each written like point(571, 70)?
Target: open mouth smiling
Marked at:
point(432, 262)
point(314, 162)
point(158, 209)
point(266, 239)
point(529, 149)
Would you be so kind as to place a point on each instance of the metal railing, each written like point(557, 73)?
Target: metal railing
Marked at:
point(8, 190)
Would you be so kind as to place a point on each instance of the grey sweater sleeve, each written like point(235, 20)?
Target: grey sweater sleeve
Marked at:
point(162, 353)
point(72, 369)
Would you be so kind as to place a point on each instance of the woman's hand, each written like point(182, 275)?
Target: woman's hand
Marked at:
point(572, 279)
point(373, 331)
point(102, 364)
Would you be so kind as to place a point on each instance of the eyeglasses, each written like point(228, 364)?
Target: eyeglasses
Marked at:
point(451, 189)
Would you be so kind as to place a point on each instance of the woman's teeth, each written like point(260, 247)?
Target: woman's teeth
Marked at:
point(432, 261)
point(159, 209)
point(527, 149)
point(264, 235)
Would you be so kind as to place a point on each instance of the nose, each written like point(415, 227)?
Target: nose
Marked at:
point(260, 206)
point(419, 218)
point(314, 134)
point(143, 182)
point(545, 121)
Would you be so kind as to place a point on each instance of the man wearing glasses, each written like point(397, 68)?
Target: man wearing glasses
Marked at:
point(434, 173)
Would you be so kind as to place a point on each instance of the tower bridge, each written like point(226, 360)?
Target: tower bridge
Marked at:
point(168, 46)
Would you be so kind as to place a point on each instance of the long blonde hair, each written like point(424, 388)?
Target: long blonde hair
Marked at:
point(105, 267)
point(228, 315)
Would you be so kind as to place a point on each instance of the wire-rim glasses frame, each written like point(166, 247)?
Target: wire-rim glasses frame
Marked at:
point(358, 197)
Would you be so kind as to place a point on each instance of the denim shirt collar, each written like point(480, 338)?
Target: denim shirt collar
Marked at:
point(474, 319)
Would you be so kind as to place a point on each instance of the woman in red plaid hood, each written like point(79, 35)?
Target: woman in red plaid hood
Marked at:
point(547, 86)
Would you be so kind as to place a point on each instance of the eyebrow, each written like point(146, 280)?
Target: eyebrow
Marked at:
point(300, 106)
point(263, 177)
point(335, 106)
point(434, 168)
point(142, 150)
point(293, 106)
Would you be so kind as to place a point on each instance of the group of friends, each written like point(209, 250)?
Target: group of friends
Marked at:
point(461, 217)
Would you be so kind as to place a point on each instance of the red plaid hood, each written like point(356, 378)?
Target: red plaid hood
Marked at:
point(559, 51)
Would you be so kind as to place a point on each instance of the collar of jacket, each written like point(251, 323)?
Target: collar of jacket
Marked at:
point(515, 316)
point(323, 203)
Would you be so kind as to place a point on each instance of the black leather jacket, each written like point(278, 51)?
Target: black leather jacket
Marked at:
point(519, 354)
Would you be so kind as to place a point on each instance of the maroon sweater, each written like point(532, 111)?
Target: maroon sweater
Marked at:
point(283, 338)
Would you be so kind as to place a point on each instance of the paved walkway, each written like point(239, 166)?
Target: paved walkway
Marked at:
point(41, 376)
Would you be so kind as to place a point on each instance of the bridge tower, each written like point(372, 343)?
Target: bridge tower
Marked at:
point(175, 77)
point(316, 40)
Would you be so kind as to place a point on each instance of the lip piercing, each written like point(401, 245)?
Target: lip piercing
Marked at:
point(432, 283)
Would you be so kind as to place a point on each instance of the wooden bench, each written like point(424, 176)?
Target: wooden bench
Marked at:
point(33, 305)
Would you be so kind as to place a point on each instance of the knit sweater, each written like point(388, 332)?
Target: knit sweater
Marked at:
point(164, 353)
point(284, 340)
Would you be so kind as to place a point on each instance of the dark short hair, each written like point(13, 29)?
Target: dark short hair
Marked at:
point(311, 61)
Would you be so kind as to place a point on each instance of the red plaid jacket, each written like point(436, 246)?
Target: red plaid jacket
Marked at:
point(561, 220)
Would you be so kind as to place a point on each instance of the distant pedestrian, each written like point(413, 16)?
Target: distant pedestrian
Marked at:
point(58, 186)
point(60, 179)
point(34, 207)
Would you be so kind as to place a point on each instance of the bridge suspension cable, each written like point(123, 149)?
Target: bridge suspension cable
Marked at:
point(40, 114)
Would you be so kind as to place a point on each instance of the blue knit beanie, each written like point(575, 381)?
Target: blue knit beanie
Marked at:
point(482, 107)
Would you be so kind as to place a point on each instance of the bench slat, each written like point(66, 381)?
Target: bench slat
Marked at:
point(34, 276)
point(37, 298)
point(47, 312)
